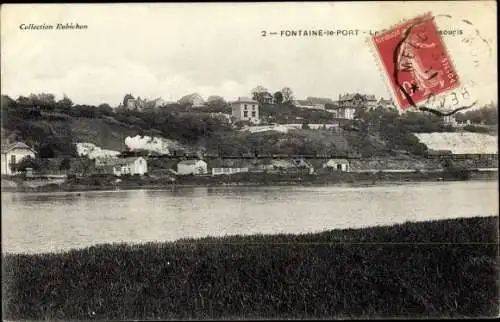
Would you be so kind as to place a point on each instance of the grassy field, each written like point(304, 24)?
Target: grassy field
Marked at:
point(445, 268)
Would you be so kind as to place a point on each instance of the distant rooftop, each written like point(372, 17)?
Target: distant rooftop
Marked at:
point(245, 100)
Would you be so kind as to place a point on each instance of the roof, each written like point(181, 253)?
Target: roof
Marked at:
point(337, 160)
point(120, 161)
point(384, 101)
point(304, 102)
point(348, 97)
point(245, 100)
point(16, 145)
point(189, 162)
point(319, 100)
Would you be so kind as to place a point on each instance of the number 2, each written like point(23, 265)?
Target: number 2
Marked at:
point(263, 33)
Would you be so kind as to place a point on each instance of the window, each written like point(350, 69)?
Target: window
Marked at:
point(12, 159)
point(245, 114)
point(253, 113)
point(253, 106)
point(245, 106)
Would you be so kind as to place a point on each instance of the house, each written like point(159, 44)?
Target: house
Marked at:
point(245, 109)
point(450, 120)
point(125, 166)
point(337, 165)
point(348, 103)
point(308, 104)
point(342, 112)
point(303, 164)
point(323, 101)
point(386, 104)
point(370, 101)
point(196, 167)
point(357, 100)
point(13, 154)
point(267, 98)
point(136, 104)
point(194, 99)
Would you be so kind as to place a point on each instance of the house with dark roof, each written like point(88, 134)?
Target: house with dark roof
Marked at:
point(357, 100)
point(387, 104)
point(12, 154)
point(348, 103)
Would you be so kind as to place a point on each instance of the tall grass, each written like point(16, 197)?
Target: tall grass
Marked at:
point(445, 268)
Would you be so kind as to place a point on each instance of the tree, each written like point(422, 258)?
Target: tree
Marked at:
point(126, 98)
point(105, 109)
point(260, 94)
point(216, 98)
point(65, 165)
point(278, 97)
point(64, 103)
point(257, 90)
point(43, 99)
point(287, 94)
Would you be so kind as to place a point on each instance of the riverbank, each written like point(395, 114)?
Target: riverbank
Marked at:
point(109, 182)
point(446, 268)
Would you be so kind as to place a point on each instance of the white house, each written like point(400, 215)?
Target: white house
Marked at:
point(124, 166)
point(337, 165)
point(13, 153)
point(245, 109)
point(196, 167)
point(450, 120)
point(343, 112)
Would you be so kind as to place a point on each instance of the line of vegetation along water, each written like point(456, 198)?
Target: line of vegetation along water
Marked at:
point(109, 182)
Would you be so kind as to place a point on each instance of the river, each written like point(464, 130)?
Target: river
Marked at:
point(43, 222)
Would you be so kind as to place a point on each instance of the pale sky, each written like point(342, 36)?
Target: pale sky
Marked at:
point(170, 50)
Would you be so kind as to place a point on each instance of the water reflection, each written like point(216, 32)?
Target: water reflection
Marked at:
point(58, 221)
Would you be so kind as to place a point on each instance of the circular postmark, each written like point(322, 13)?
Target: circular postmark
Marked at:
point(434, 62)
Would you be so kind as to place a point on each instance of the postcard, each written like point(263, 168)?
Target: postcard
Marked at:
point(257, 160)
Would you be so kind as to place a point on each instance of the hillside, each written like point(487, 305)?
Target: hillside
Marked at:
point(53, 128)
point(460, 143)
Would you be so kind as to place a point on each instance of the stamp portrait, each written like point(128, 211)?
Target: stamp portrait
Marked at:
point(415, 60)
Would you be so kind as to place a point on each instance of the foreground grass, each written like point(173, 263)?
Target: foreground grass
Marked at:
point(445, 268)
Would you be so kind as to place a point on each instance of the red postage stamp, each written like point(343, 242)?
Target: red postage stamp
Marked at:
point(416, 61)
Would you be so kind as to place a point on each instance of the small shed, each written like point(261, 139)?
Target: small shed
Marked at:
point(337, 165)
point(196, 167)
